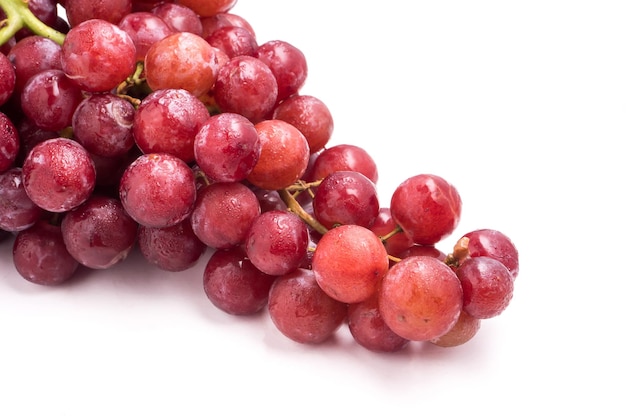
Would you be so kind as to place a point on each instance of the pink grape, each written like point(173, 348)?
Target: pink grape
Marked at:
point(496, 245)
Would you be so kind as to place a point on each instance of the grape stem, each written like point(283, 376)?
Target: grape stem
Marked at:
point(295, 207)
point(459, 254)
point(19, 16)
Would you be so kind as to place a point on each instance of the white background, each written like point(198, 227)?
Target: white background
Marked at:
point(521, 105)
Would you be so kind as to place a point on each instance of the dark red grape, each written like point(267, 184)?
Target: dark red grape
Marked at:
point(17, 210)
point(173, 248)
point(234, 285)
point(496, 245)
point(287, 63)
point(9, 143)
point(7, 79)
point(40, 256)
point(99, 233)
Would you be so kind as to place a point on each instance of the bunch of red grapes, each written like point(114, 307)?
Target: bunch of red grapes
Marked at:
point(167, 127)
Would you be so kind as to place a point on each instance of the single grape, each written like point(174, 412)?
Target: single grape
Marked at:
point(168, 120)
point(40, 256)
point(227, 147)
point(224, 213)
point(465, 328)
point(420, 298)
point(246, 85)
point(50, 98)
point(277, 242)
point(487, 286)
point(349, 262)
point(422, 250)
point(426, 207)
point(496, 245)
point(234, 285)
point(346, 197)
point(287, 63)
point(103, 123)
point(172, 248)
point(17, 210)
point(59, 174)
point(302, 311)
point(98, 55)
point(181, 60)
point(284, 155)
point(99, 233)
point(369, 330)
point(158, 190)
point(344, 157)
point(9, 143)
point(310, 116)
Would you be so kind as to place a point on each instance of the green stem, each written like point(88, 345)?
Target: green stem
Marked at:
point(295, 207)
point(19, 16)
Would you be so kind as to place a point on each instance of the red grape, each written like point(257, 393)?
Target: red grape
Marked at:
point(227, 147)
point(234, 285)
point(179, 18)
point(284, 155)
point(9, 143)
point(287, 63)
point(78, 11)
point(171, 248)
point(98, 55)
point(7, 79)
point(224, 213)
point(349, 262)
point(346, 197)
point(158, 190)
point(300, 309)
point(462, 332)
point(420, 298)
point(496, 245)
point(17, 210)
point(59, 175)
point(145, 29)
point(487, 286)
point(233, 41)
point(99, 233)
point(246, 85)
point(208, 7)
point(40, 256)
point(310, 116)
point(167, 121)
point(426, 207)
point(344, 157)
point(277, 242)
point(32, 55)
point(370, 330)
point(181, 60)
